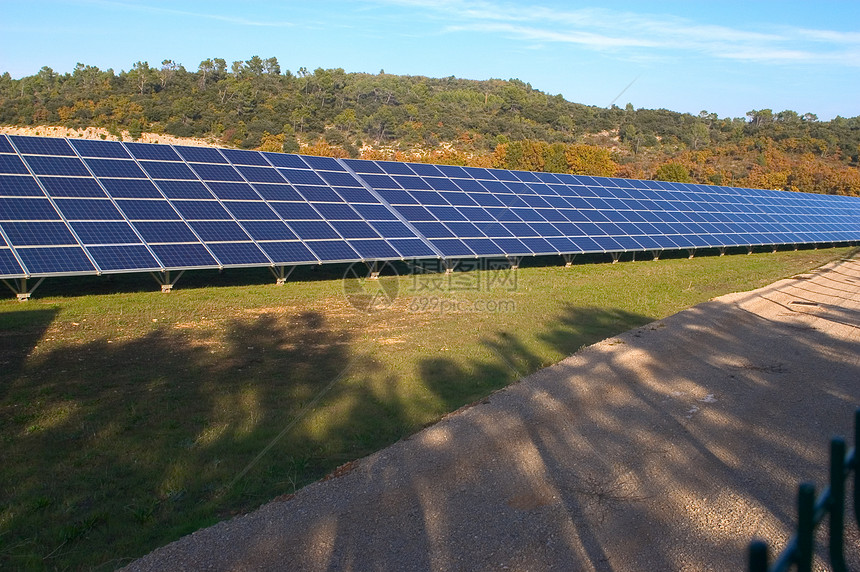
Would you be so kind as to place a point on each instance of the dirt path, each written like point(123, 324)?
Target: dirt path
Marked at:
point(665, 448)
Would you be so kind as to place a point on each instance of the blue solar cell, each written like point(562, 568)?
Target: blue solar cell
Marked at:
point(493, 229)
point(71, 187)
point(520, 229)
point(380, 181)
point(131, 189)
point(538, 245)
point(27, 209)
point(429, 197)
point(201, 210)
point(319, 194)
point(288, 252)
point(268, 230)
point(200, 154)
point(12, 165)
point(453, 171)
point(9, 267)
point(38, 233)
point(354, 229)
point(133, 257)
point(305, 177)
point(442, 184)
point(115, 168)
point(472, 185)
point(313, 230)
point(5, 146)
point(242, 157)
point(42, 145)
point(55, 260)
point(426, 170)
point(562, 245)
point(183, 255)
point(397, 197)
point(250, 210)
point(452, 247)
point(185, 189)
point(458, 198)
point(277, 192)
point(158, 170)
point(464, 229)
point(411, 182)
point(219, 231)
point(483, 246)
point(412, 248)
point(104, 232)
point(285, 160)
point(392, 229)
point(433, 229)
point(394, 168)
point(333, 250)
point(261, 174)
point(336, 211)
point(234, 191)
point(486, 199)
point(356, 195)
point(136, 209)
point(88, 209)
point(18, 186)
point(216, 172)
point(445, 213)
point(239, 254)
point(415, 213)
point(153, 232)
point(374, 212)
point(374, 249)
point(64, 166)
point(323, 163)
point(152, 152)
point(361, 166)
point(476, 214)
point(295, 211)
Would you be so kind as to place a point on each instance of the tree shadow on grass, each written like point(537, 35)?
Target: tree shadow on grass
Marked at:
point(124, 445)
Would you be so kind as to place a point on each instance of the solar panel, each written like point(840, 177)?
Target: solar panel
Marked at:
point(81, 206)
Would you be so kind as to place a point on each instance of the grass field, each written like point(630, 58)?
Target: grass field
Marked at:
point(131, 417)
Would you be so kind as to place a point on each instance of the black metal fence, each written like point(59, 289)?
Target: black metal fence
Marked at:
point(811, 511)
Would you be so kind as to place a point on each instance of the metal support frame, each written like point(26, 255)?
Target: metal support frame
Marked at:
point(282, 274)
point(515, 262)
point(568, 259)
point(722, 250)
point(449, 265)
point(19, 287)
point(164, 279)
point(656, 254)
point(373, 269)
point(775, 247)
point(691, 252)
point(615, 256)
point(795, 248)
point(749, 250)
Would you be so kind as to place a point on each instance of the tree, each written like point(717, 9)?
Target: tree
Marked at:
point(590, 160)
point(674, 172)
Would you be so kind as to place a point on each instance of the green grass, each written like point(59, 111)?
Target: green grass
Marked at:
point(130, 417)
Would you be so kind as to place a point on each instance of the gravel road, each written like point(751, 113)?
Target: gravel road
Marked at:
point(665, 448)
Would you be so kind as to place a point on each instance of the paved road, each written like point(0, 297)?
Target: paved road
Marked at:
point(665, 448)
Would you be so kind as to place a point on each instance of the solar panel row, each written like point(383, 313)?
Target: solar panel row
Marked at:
point(70, 206)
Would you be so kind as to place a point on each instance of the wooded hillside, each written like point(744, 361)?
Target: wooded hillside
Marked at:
point(504, 123)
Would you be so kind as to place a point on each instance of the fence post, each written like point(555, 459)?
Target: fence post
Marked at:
point(837, 504)
point(758, 556)
point(805, 526)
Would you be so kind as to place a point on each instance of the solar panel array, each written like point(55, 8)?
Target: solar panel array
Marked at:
point(73, 206)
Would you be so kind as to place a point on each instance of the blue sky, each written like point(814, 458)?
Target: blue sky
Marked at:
point(726, 57)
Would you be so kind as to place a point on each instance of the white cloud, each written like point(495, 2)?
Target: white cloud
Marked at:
point(640, 34)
